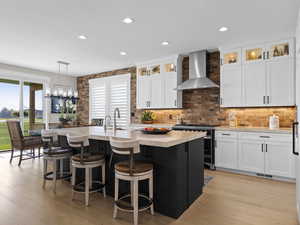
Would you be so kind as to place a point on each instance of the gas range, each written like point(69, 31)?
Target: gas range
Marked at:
point(194, 127)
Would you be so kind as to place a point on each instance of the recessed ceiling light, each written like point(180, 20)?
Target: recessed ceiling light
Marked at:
point(165, 43)
point(223, 29)
point(123, 53)
point(82, 37)
point(127, 20)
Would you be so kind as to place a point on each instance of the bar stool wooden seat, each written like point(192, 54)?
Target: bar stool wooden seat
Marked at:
point(132, 171)
point(54, 154)
point(87, 161)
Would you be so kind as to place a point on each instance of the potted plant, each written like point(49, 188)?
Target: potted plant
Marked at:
point(148, 117)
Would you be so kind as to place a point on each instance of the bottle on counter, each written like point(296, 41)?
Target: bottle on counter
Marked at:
point(274, 122)
point(232, 119)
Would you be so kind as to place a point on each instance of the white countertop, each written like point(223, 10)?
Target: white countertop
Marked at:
point(256, 129)
point(166, 140)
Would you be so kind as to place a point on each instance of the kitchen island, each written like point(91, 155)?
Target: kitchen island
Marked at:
point(177, 158)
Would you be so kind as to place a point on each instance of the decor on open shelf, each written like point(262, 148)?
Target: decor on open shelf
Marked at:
point(62, 100)
point(67, 112)
point(148, 117)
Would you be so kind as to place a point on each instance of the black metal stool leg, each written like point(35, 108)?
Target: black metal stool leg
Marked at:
point(21, 156)
point(12, 155)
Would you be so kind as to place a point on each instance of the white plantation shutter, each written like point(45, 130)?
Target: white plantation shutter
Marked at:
point(119, 98)
point(97, 101)
point(109, 93)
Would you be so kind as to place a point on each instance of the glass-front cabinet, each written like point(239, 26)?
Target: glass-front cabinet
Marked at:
point(157, 83)
point(231, 57)
point(170, 67)
point(278, 50)
point(268, 51)
point(253, 54)
point(149, 70)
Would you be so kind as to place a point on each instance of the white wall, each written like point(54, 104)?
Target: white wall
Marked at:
point(298, 64)
point(49, 80)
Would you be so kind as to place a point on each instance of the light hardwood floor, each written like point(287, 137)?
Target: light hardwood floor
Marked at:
point(228, 199)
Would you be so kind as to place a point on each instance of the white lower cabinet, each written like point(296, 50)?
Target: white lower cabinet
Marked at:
point(251, 156)
point(279, 159)
point(226, 153)
point(262, 153)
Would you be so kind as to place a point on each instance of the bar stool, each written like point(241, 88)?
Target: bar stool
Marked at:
point(132, 171)
point(53, 153)
point(86, 161)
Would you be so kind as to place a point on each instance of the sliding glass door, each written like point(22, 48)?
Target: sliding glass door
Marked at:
point(22, 101)
point(9, 108)
point(32, 107)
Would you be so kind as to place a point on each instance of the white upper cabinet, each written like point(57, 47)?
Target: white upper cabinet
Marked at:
point(231, 88)
point(143, 91)
point(254, 84)
point(267, 75)
point(281, 80)
point(156, 84)
point(231, 78)
point(170, 83)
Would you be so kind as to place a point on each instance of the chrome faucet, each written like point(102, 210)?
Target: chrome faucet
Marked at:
point(105, 121)
point(117, 110)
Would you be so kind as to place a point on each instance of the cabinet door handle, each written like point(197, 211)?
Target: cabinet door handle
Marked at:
point(264, 99)
point(268, 99)
point(221, 101)
point(264, 55)
point(226, 134)
point(149, 103)
point(264, 136)
point(262, 147)
point(175, 102)
point(266, 147)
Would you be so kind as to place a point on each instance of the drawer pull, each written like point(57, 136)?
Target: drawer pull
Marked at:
point(226, 134)
point(264, 136)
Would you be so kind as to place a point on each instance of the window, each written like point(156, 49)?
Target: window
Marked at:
point(109, 93)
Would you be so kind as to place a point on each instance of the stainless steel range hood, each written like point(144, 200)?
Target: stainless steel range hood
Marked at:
point(197, 73)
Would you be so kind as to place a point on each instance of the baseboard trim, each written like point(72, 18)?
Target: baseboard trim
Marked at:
point(285, 179)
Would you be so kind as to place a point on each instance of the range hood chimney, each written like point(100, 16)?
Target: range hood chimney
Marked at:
point(197, 73)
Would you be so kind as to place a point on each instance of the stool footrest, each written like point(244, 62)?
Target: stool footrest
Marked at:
point(124, 203)
point(59, 175)
point(95, 187)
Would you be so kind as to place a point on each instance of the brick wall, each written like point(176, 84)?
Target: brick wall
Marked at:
point(199, 106)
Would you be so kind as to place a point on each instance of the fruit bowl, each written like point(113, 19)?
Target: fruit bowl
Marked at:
point(152, 130)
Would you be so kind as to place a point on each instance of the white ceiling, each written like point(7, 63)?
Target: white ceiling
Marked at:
point(37, 33)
